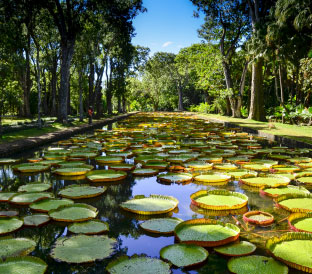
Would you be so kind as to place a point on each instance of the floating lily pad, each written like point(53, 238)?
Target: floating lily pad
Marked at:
point(49, 204)
point(36, 220)
point(219, 199)
point(89, 227)
point(81, 191)
point(256, 264)
point(29, 197)
point(161, 225)
point(305, 180)
point(82, 249)
point(293, 249)
point(9, 224)
point(34, 187)
point(5, 196)
point(225, 166)
point(73, 213)
point(241, 173)
point(72, 171)
point(32, 168)
point(8, 213)
point(8, 161)
point(300, 222)
point(295, 202)
point(257, 167)
point(198, 165)
point(285, 169)
point(267, 181)
point(145, 172)
point(10, 247)
point(212, 178)
point(290, 189)
point(154, 204)
point(109, 159)
point(106, 175)
point(242, 248)
point(138, 264)
point(123, 167)
point(258, 218)
point(206, 232)
point(24, 264)
point(171, 177)
point(184, 255)
point(156, 165)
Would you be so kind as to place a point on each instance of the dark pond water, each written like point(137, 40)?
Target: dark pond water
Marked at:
point(125, 226)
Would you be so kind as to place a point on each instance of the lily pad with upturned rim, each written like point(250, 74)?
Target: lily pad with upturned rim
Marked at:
point(145, 172)
point(277, 191)
point(9, 224)
point(172, 177)
point(71, 171)
point(36, 220)
point(122, 167)
point(212, 178)
point(154, 204)
point(138, 264)
point(81, 191)
point(267, 181)
point(49, 204)
point(256, 264)
point(26, 198)
point(242, 248)
point(295, 202)
point(34, 187)
point(300, 222)
point(5, 196)
point(305, 180)
point(24, 264)
point(109, 159)
point(83, 248)
point(89, 227)
point(184, 255)
point(258, 218)
point(161, 225)
point(73, 213)
point(106, 175)
point(10, 247)
point(32, 168)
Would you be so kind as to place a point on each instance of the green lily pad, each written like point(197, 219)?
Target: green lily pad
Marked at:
point(184, 255)
point(267, 181)
point(8, 161)
point(71, 171)
point(73, 213)
point(29, 197)
point(301, 222)
point(155, 204)
point(155, 165)
point(16, 247)
point(295, 202)
point(242, 248)
point(257, 167)
point(241, 173)
point(294, 249)
point(36, 220)
point(290, 189)
point(106, 175)
point(9, 224)
point(49, 204)
point(25, 265)
point(109, 159)
point(172, 177)
point(198, 165)
point(138, 264)
point(81, 191)
point(32, 168)
point(145, 172)
point(83, 249)
point(89, 227)
point(122, 167)
point(206, 232)
point(256, 264)
point(212, 178)
point(305, 180)
point(5, 196)
point(161, 225)
point(34, 187)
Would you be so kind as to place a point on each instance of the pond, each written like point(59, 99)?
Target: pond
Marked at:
point(176, 139)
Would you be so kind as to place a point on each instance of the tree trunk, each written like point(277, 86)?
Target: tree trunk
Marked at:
point(67, 51)
point(80, 96)
point(53, 86)
point(119, 104)
point(281, 83)
point(98, 92)
point(229, 85)
point(38, 86)
point(256, 111)
point(124, 104)
point(26, 108)
point(180, 106)
point(91, 85)
point(109, 100)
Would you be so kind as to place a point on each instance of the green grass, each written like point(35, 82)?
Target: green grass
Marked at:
point(299, 133)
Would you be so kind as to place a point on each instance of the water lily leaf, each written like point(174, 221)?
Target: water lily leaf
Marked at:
point(293, 249)
point(81, 191)
point(242, 248)
point(241, 173)
point(154, 204)
point(257, 167)
point(36, 220)
point(71, 171)
point(9, 224)
point(25, 265)
point(219, 199)
point(138, 264)
point(29, 197)
point(32, 168)
point(49, 204)
point(83, 248)
point(161, 225)
point(145, 172)
point(225, 166)
point(109, 159)
point(89, 227)
point(184, 255)
point(10, 247)
point(305, 180)
point(267, 181)
point(73, 213)
point(290, 189)
point(258, 218)
point(106, 175)
point(5, 196)
point(285, 169)
point(156, 165)
point(212, 178)
point(256, 264)
point(171, 177)
point(295, 202)
point(34, 187)
point(123, 167)
point(206, 232)
point(8, 161)
point(300, 222)
point(198, 165)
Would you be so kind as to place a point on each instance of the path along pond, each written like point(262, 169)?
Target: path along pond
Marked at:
point(197, 170)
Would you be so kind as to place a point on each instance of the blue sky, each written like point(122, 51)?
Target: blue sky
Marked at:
point(168, 25)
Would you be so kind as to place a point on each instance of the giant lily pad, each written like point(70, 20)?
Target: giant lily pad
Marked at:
point(219, 199)
point(161, 165)
point(257, 167)
point(34, 187)
point(145, 172)
point(256, 264)
point(154, 204)
point(9, 224)
point(123, 167)
point(32, 168)
point(71, 171)
point(241, 173)
point(267, 181)
point(49, 204)
point(290, 189)
point(198, 165)
point(258, 218)
point(16, 247)
point(295, 202)
point(109, 159)
point(184, 255)
point(29, 197)
point(300, 222)
point(293, 249)
point(138, 264)
point(82, 248)
point(25, 265)
point(89, 227)
point(73, 213)
point(206, 232)
point(305, 180)
point(106, 175)
point(81, 191)
point(172, 177)
point(161, 225)
point(8, 161)
point(5, 196)
point(242, 248)
point(212, 178)
point(36, 220)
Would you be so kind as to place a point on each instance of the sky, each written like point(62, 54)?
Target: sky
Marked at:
point(168, 25)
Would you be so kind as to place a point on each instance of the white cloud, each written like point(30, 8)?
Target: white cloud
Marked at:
point(166, 44)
